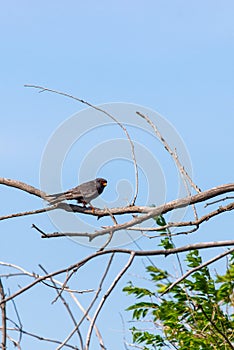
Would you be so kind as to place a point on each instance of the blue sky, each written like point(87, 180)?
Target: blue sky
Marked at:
point(173, 57)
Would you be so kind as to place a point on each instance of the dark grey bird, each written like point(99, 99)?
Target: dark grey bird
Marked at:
point(83, 193)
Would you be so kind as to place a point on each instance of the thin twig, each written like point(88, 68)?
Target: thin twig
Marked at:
point(19, 320)
point(35, 276)
point(39, 230)
point(107, 114)
point(218, 200)
point(64, 286)
point(199, 267)
point(169, 150)
point(91, 305)
point(39, 337)
point(185, 177)
point(66, 306)
point(104, 298)
point(15, 343)
point(31, 212)
point(111, 232)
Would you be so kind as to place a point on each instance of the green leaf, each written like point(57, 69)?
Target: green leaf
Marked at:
point(166, 243)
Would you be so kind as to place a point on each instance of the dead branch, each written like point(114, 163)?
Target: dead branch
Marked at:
point(34, 275)
point(195, 223)
point(36, 336)
point(152, 212)
point(66, 306)
point(169, 150)
point(86, 313)
point(22, 186)
point(165, 252)
point(219, 200)
point(104, 298)
point(88, 317)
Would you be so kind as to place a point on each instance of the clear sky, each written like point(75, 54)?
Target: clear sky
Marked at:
point(174, 57)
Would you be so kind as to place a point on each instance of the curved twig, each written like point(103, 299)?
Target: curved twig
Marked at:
point(107, 114)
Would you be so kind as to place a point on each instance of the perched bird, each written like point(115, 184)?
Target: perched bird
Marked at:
point(83, 193)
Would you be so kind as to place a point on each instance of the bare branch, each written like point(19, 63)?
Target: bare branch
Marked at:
point(39, 337)
point(219, 200)
point(90, 306)
point(165, 252)
point(104, 298)
point(185, 223)
point(22, 186)
point(34, 275)
point(169, 150)
point(89, 319)
point(137, 220)
point(188, 273)
point(25, 213)
point(66, 306)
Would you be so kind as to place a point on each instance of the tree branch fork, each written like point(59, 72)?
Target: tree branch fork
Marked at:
point(146, 212)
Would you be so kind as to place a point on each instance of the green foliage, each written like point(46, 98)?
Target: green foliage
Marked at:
point(195, 314)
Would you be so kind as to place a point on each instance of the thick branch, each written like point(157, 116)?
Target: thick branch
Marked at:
point(162, 209)
point(22, 186)
point(196, 223)
point(136, 220)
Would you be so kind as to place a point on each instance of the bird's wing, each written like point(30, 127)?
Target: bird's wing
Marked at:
point(88, 191)
point(73, 193)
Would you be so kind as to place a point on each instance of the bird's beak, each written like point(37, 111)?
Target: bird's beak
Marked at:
point(104, 183)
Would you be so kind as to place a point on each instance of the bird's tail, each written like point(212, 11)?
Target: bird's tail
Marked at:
point(55, 198)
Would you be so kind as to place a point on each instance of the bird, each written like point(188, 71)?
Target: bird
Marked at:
point(84, 193)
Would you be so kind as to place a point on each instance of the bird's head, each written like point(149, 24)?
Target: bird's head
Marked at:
point(101, 184)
